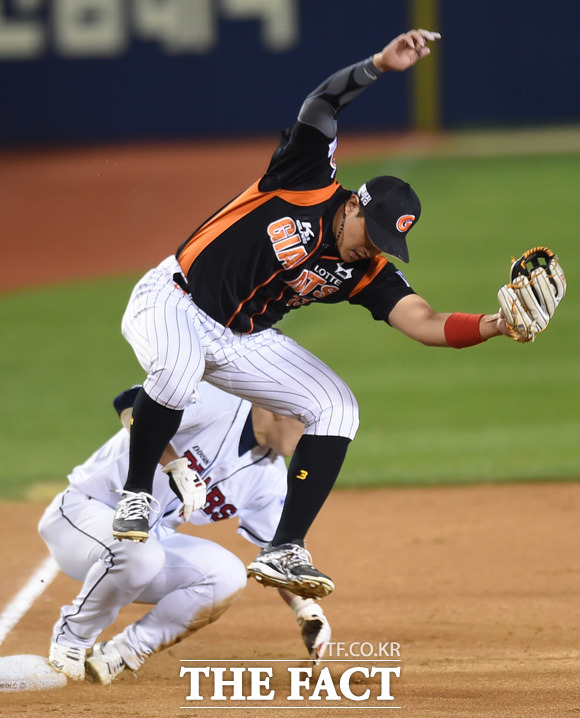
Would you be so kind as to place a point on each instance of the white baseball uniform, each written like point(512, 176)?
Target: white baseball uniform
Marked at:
point(190, 580)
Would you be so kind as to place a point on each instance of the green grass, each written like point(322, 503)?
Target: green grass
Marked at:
point(62, 360)
point(496, 412)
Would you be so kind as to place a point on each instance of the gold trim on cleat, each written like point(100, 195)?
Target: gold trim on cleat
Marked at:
point(137, 536)
point(311, 589)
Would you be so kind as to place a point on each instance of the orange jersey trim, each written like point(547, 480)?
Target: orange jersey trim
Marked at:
point(377, 264)
point(257, 314)
point(305, 198)
point(238, 208)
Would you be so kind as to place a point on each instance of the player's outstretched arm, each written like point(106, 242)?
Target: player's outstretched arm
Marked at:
point(528, 302)
point(321, 107)
point(413, 316)
point(405, 50)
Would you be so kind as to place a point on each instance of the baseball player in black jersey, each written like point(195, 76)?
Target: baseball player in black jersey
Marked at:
point(296, 236)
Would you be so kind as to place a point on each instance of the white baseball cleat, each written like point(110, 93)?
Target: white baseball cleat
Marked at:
point(104, 663)
point(69, 660)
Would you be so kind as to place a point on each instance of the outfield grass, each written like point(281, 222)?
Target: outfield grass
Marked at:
point(496, 412)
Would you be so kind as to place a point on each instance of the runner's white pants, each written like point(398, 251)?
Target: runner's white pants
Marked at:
point(190, 580)
point(177, 344)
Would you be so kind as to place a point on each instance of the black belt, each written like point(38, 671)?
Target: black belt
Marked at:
point(178, 278)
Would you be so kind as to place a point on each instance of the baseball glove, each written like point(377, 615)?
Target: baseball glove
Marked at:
point(536, 287)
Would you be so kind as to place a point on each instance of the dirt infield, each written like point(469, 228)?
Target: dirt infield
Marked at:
point(480, 587)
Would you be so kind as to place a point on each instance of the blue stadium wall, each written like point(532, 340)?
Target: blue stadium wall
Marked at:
point(114, 70)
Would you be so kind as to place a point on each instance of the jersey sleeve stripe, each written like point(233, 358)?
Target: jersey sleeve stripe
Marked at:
point(240, 207)
point(219, 223)
point(307, 198)
point(377, 263)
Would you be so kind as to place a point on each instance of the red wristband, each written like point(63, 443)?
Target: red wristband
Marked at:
point(462, 330)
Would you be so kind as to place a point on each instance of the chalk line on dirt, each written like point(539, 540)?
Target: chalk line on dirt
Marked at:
point(36, 584)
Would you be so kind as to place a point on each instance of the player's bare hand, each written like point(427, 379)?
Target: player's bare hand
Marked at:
point(502, 326)
point(405, 50)
point(492, 325)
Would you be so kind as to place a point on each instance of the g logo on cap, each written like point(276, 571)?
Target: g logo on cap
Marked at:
point(405, 221)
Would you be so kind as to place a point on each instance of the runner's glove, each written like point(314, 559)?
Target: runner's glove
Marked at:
point(187, 484)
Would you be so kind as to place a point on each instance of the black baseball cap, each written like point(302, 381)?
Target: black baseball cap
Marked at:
point(391, 208)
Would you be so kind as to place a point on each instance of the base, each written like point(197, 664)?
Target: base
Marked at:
point(28, 673)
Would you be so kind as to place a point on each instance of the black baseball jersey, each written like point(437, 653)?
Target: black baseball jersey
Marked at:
point(272, 249)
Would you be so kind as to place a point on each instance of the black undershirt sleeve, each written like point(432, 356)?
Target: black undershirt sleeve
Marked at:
point(323, 104)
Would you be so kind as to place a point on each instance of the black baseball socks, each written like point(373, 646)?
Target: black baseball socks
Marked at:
point(313, 469)
point(152, 429)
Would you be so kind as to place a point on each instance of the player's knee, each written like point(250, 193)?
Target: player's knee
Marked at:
point(352, 416)
point(229, 584)
point(215, 581)
point(224, 571)
point(335, 415)
point(232, 577)
point(44, 526)
point(170, 388)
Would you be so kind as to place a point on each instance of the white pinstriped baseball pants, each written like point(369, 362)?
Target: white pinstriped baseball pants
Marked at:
point(177, 344)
